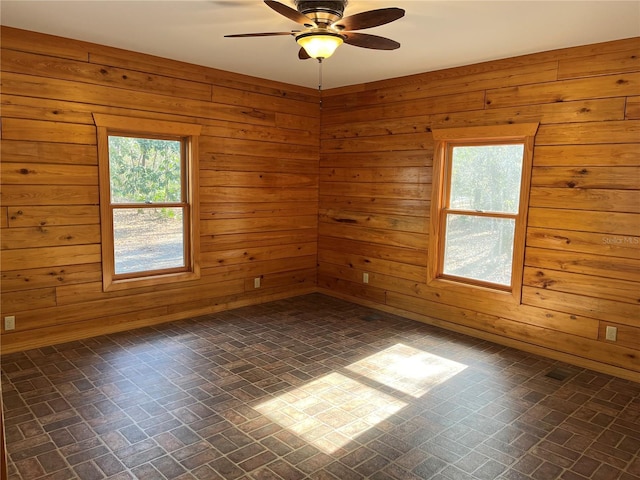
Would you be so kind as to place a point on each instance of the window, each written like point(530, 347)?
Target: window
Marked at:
point(148, 182)
point(479, 205)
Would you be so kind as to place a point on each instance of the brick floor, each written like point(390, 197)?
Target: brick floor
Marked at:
point(311, 387)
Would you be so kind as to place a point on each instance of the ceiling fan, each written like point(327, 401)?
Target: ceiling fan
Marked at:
point(326, 28)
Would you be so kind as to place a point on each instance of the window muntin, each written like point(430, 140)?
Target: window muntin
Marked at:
point(479, 206)
point(148, 178)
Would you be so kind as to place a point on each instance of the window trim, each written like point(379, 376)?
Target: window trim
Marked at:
point(107, 125)
point(445, 139)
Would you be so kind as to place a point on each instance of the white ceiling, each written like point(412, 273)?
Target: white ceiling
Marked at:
point(434, 34)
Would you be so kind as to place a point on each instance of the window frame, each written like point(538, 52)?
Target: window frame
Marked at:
point(187, 134)
point(446, 140)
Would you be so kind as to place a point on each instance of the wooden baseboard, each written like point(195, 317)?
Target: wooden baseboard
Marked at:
point(21, 341)
point(56, 334)
point(508, 342)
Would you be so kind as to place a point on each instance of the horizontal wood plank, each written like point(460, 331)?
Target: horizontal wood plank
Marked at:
point(297, 278)
point(258, 254)
point(215, 211)
point(233, 146)
point(216, 242)
point(400, 191)
point(583, 263)
point(607, 154)
point(18, 151)
point(398, 159)
point(445, 104)
point(600, 64)
point(253, 195)
point(632, 111)
point(12, 302)
point(627, 336)
point(67, 90)
point(31, 216)
point(28, 41)
point(15, 106)
point(370, 264)
point(50, 236)
point(599, 308)
point(379, 174)
point(49, 195)
point(28, 258)
point(246, 225)
point(65, 69)
point(41, 131)
point(579, 284)
point(622, 178)
point(213, 161)
point(397, 223)
point(564, 112)
point(609, 224)
point(374, 235)
point(246, 98)
point(439, 315)
point(627, 131)
point(209, 178)
point(48, 174)
point(27, 279)
point(584, 242)
point(593, 199)
point(622, 85)
point(383, 252)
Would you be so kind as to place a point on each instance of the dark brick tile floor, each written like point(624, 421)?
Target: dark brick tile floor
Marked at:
point(311, 387)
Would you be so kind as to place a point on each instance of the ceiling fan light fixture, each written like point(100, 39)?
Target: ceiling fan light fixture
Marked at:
point(320, 45)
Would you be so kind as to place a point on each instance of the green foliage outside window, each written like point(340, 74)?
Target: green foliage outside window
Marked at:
point(486, 178)
point(144, 170)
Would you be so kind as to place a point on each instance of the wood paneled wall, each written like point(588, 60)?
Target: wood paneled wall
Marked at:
point(309, 200)
point(259, 154)
point(582, 265)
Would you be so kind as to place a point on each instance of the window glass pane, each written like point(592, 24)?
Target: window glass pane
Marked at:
point(479, 248)
point(144, 170)
point(486, 178)
point(148, 239)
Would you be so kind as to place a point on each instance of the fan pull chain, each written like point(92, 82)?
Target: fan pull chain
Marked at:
point(320, 79)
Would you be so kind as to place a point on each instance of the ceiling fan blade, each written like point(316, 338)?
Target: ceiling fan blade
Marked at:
point(303, 55)
point(372, 18)
point(265, 34)
point(370, 41)
point(290, 13)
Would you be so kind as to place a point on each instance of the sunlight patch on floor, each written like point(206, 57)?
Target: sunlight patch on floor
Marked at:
point(333, 410)
point(407, 369)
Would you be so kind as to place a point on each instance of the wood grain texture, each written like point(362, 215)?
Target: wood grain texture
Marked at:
point(259, 152)
point(582, 244)
point(309, 200)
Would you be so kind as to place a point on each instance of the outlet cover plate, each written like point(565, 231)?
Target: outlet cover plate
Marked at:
point(10, 323)
point(611, 334)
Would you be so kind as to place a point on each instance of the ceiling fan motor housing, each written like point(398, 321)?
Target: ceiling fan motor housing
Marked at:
point(322, 12)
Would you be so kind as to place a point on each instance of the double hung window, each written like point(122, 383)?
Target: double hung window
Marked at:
point(479, 205)
point(148, 183)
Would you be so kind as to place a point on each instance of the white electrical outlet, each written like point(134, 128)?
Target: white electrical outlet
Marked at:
point(256, 282)
point(365, 277)
point(10, 323)
point(611, 334)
